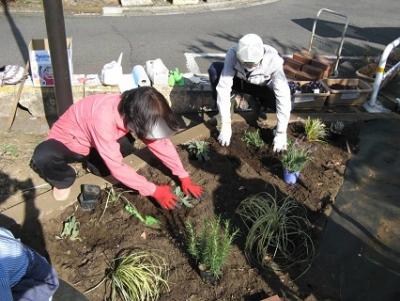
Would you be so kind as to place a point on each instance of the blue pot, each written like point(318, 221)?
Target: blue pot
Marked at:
point(290, 177)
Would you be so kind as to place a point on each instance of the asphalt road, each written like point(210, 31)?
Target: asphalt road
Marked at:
point(285, 24)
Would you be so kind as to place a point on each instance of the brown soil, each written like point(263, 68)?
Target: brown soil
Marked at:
point(343, 87)
point(228, 177)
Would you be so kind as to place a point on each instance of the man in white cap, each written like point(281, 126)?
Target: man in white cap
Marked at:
point(253, 68)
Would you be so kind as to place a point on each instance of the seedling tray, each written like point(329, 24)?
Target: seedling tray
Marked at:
point(309, 101)
point(347, 97)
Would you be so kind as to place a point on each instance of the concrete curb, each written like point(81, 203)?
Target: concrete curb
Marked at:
point(117, 11)
point(182, 9)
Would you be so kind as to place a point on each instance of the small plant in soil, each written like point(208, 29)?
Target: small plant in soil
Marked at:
point(140, 275)
point(147, 220)
point(337, 127)
point(210, 248)
point(253, 139)
point(295, 157)
point(278, 231)
point(315, 130)
point(185, 200)
point(71, 228)
point(199, 149)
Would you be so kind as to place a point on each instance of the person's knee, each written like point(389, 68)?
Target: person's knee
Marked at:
point(40, 156)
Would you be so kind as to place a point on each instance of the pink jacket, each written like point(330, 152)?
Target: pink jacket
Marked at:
point(94, 122)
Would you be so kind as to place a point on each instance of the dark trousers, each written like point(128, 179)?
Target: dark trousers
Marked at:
point(51, 158)
point(265, 94)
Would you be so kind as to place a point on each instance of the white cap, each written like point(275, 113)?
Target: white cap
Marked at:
point(160, 130)
point(250, 49)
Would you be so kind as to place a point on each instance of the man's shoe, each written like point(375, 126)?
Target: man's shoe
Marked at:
point(61, 194)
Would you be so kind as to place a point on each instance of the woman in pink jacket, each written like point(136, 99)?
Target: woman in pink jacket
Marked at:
point(99, 122)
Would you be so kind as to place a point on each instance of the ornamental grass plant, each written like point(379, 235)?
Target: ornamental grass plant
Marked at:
point(315, 130)
point(295, 157)
point(278, 232)
point(140, 276)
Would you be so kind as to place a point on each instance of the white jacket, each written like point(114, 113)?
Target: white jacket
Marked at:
point(269, 72)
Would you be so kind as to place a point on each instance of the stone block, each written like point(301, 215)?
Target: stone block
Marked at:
point(136, 2)
point(184, 2)
point(7, 96)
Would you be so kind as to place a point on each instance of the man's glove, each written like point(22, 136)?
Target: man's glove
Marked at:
point(188, 187)
point(225, 134)
point(280, 142)
point(164, 196)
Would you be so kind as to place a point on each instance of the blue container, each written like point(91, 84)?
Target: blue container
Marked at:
point(290, 177)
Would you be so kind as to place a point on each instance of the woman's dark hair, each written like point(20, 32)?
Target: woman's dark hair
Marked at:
point(142, 107)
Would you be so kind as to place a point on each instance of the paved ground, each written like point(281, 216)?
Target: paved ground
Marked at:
point(360, 252)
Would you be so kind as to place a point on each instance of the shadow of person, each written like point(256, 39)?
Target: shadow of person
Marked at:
point(31, 230)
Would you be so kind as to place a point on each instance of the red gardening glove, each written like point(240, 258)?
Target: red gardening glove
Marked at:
point(188, 187)
point(164, 196)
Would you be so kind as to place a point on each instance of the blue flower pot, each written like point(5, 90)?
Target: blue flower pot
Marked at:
point(290, 177)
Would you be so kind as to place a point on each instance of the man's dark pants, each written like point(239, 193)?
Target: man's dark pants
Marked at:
point(263, 93)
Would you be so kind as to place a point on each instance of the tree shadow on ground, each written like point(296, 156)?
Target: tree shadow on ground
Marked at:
point(330, 29)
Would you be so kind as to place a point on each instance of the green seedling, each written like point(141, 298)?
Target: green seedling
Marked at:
point(199, 149)
point(148, 220)
point(70, 229)
point(9, 150)
point(315, 130)
point(186, 200)
point(295, 157)
point(253, 139)
point(211, 246)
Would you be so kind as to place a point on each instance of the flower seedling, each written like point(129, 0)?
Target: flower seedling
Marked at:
point(295, 158)
point(148, 220)
point(185, 200)
point(253, 139)
point(70, 229)
point(199, 149)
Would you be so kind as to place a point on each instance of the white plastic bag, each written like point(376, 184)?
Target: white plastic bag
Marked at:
point(111, 74)
point(157, 72)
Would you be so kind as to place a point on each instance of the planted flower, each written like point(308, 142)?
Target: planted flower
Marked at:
point(185, 200)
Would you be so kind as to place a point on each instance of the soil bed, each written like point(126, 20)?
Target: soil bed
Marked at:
point(228, 177)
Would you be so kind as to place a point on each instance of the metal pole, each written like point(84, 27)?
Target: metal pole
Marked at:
point(54, 16)
point(373, 105)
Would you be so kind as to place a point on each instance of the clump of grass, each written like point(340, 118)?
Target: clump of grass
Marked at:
point(295, 157)
point(315, 130)
point(9, 150)
point(140, 275)
point(199, 149)
point(253, 139)
point(211, 247)
point(278, 231)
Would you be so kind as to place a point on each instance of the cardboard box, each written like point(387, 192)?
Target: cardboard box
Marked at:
point(40, 61)
point(357, 95)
